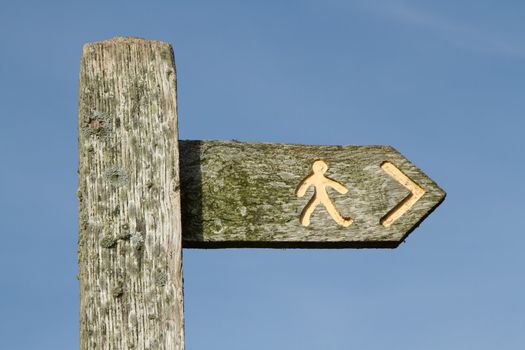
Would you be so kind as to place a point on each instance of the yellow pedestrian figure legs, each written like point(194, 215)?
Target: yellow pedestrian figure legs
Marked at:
point(319, 182)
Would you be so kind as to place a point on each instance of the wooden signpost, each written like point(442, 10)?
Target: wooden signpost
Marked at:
point(144, 195)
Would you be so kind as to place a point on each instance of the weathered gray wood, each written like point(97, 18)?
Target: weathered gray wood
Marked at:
point(237, 194)
point(129, 254)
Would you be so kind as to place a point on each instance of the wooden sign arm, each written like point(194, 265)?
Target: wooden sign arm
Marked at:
point(257, 200)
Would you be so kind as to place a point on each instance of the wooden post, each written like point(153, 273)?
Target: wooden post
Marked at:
point(131, 294)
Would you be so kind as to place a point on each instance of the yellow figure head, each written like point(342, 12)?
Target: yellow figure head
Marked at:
point(319, 167)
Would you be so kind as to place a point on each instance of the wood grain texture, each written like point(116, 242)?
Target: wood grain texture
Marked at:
point(131, 294)
point(237, 194)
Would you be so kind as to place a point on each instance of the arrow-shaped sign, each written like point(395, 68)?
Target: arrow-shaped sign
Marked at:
point(237, 194)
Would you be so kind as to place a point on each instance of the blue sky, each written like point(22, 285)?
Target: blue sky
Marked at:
point(441, 81)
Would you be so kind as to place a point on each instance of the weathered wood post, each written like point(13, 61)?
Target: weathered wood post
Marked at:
point(129, 253)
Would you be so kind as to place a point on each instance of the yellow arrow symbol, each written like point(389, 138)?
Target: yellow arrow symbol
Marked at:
point(402, 207)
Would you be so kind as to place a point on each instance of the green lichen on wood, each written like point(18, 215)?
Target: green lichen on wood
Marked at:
point(108, 242)
point(118, 290)
point(161, 278)
point(116, 176)
point(137, 241)
point(97, 124)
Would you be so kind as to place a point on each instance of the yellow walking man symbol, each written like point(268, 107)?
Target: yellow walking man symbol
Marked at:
point(319, 181)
